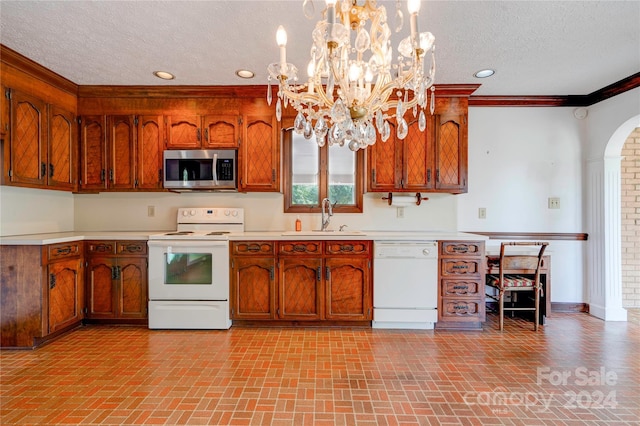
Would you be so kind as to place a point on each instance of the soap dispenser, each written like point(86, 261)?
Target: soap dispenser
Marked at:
point(298, 224)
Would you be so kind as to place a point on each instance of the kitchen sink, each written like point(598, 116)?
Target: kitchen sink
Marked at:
point(319, 233)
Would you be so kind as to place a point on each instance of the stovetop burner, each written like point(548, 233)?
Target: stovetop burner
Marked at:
point(179, 233)
point(218, 233)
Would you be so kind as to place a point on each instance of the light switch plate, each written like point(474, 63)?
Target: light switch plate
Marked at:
point(554, 202)
point(399, 212)
point(151, 211)
point(482, 213)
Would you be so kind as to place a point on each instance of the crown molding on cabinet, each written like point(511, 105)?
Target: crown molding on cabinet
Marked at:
point(26, 65)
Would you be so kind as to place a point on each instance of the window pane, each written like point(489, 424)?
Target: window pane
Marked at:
point(304, 176)
point(342, 175)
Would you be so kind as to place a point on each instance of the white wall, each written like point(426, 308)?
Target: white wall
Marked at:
point(34, 211)
point(263, 212)
point(518, 158)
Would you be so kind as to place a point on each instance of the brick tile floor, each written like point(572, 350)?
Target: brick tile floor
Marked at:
point(577, 370)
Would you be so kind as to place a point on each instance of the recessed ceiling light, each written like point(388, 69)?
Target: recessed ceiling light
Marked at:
point(245, 74)
point(484, 73)
point(164, 75)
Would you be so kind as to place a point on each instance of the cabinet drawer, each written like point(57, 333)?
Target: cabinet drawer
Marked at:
point(461, 268)
point(101, 247)
point(456, 309)
point(460, 288)
point(64, 250)
point(252, 248)
point(461, 248)
point(347, 247)
point(300, 247)
point(131, 247)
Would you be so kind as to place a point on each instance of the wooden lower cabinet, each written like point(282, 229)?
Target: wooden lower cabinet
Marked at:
point(42, 292)
point(461, 296)
point(117, 280)
point(310, 281)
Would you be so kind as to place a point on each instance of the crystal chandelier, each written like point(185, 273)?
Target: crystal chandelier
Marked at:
point(354, 88)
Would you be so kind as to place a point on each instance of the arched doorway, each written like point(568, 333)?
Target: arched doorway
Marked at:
point(604, 219)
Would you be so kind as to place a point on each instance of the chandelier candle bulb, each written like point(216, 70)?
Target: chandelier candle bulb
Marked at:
point(414, 7)
point(281, 39)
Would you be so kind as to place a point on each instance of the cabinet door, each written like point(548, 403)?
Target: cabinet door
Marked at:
point(150, 145)
point(121, 151)
point(347, 289)
point(183, 131)
point(220, 131)
point(93, 152)
point(260, 154)
point(417, 172)
point(300, 289)
point(28, 140)
point(62, 149)
point(131, 285)
point(101, 302)
point(451, 152)
point(385, 163)
point(253, 288)
point(65, 292)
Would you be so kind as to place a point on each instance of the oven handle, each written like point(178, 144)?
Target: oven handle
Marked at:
point(183, 243)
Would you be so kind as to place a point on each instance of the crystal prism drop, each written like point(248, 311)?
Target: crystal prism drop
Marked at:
point(330, 86)
point(298, 123)
point(321, 128)
point(386, 131)
point(399, 18)
point(308, 9)
point(321, 141)
point(415, 110)
point(422, 121)
point(403, 129)
point(308, 130)
point(354, 145)
point(335, 134)
point(370, 134)
point(269, 92)
point(432, 106)
point(379, 120)
point(338, 112)
point(350, 130)
point(278, 110)
point(399, 110)
point(363, 41)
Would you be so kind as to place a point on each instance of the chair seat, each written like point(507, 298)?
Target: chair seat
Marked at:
point(511, 281)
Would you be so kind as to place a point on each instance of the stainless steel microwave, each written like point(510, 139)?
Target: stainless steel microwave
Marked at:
point(208, 169)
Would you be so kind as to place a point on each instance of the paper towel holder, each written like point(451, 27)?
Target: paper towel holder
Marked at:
point(419, 198)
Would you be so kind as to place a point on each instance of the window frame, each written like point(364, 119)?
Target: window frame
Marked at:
point(323, 184)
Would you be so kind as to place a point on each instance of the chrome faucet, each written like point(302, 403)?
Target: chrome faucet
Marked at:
point(327, 212)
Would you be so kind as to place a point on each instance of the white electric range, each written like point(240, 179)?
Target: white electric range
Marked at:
point(189, 270)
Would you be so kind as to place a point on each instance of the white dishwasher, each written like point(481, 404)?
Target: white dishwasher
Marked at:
point(405, 284)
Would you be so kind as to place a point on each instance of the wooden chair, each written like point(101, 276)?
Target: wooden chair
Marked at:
point(529, 265)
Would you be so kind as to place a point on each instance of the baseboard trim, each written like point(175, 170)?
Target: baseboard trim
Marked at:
point(562, 307)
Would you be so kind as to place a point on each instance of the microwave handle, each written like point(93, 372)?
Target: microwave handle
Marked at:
point(215, 169)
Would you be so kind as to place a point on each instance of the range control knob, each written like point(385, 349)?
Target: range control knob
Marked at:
point(192, 212)
point(227, 212)
point(426, 252)
point(235, 213)
point(185, 213)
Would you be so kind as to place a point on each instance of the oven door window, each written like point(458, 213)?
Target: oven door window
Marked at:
point(188, 268)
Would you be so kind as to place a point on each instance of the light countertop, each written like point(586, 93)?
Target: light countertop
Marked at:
point(63, 237)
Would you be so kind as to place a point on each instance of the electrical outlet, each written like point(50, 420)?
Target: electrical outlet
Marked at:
point(151, 211)
point(482, 213)
point(554, 202)
point(400, 212)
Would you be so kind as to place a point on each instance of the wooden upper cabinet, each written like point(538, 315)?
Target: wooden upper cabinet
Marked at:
point(93, 152)
point(221, 131)
point(260, 154)
point(28, 140)
point(150, 144)
point(121, 151)
point(451, 152)
point(62, 150)
point(385, 163)
point(184, 131)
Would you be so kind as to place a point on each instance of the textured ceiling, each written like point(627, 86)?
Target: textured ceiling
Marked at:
point(536, 47)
